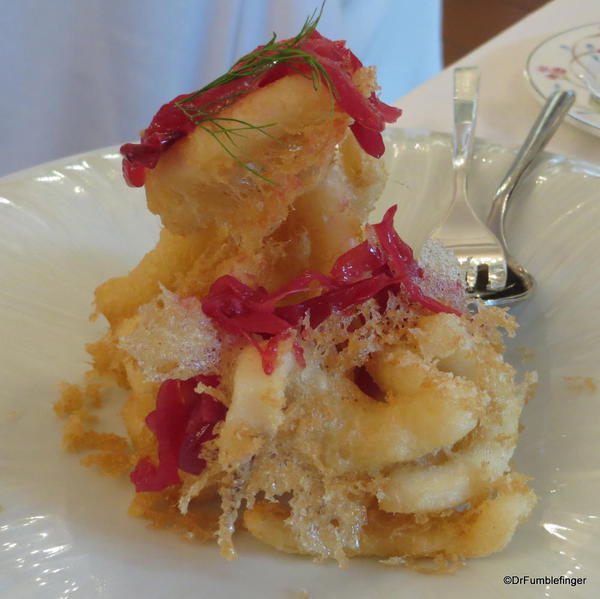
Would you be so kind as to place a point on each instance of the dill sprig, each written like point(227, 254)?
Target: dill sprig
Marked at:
point(225, 130)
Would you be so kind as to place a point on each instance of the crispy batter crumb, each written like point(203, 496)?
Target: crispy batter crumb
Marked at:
point(70, 400)
point(109, 463)
point(581, 383)
point(93, 391)
point(437, 564)
point(160, 509)
point(173, 338)
point(78, 438)
point(75, 399)
point(76, 405)
point(394, 561)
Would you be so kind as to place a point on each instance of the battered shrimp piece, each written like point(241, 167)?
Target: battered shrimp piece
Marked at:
point(483, 529)
point(327, 219)
point(427, 463)
point(197, 186)
point(220, 218)
point(287, 364)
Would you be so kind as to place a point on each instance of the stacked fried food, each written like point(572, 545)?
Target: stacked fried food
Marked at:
point(290, 369)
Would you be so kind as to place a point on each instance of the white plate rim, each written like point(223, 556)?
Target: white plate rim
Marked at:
point(111, 150)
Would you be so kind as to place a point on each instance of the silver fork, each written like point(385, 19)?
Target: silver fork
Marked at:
point(519, 283)
point(480, 255)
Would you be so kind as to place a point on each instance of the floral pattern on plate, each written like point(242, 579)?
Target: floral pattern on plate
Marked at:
point(566, 61)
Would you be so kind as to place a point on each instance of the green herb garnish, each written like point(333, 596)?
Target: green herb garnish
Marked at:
point(224, 130)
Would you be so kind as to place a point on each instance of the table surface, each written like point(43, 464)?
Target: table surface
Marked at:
point(507, 105)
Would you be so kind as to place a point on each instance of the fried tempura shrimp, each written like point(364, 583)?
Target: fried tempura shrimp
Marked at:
point(432, 453)
point(220, 218)
point(288, 365)
point(196, 186)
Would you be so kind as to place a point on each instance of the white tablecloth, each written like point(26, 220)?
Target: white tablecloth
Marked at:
point(507, 105)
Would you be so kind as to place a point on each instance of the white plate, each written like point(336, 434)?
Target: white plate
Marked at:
point(68, 225)
point(555, 65)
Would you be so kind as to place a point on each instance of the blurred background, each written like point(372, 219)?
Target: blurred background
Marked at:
point(83, 74)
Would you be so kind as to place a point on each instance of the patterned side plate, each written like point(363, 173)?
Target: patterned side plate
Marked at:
point(564, 62)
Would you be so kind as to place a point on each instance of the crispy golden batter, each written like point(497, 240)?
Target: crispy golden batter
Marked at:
point(221, 219)
point(430, 460)
point(476, 532)
point(308, 458)
point(196, 187)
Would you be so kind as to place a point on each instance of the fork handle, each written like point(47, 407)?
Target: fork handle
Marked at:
point(466, 91)
point(548, 121)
